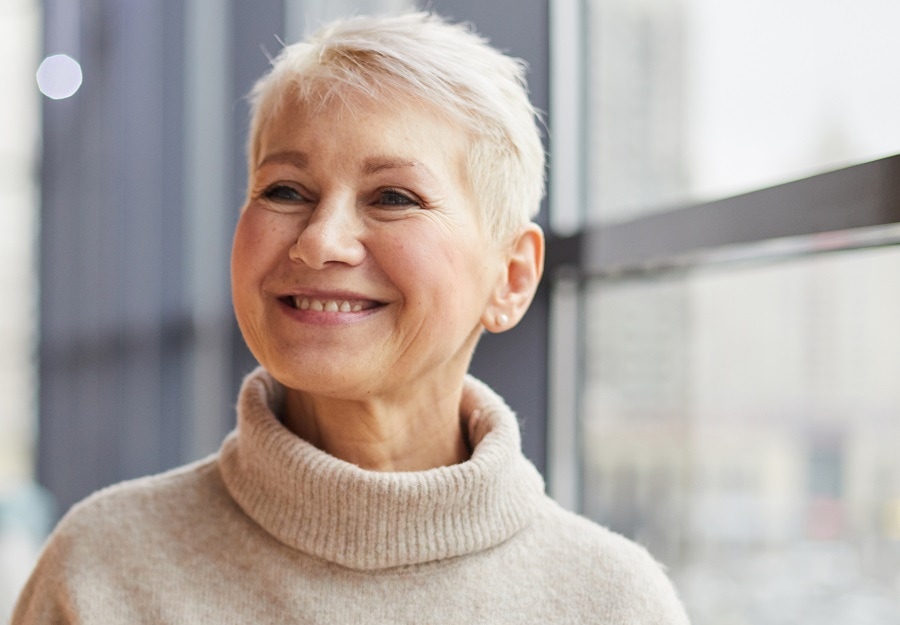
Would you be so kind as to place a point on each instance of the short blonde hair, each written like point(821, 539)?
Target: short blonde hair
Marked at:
point(446, 66)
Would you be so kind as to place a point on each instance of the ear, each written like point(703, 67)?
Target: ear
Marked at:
point(518, 282)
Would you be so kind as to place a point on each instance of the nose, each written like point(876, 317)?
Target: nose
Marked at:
point(332, 234)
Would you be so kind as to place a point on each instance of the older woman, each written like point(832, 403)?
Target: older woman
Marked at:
point(395, 165)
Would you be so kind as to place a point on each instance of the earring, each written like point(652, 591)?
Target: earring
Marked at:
point(502, 320)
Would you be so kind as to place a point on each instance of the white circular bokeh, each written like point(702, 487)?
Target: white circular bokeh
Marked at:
point(59, 76)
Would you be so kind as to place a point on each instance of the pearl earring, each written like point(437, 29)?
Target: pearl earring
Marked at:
point(502, 320)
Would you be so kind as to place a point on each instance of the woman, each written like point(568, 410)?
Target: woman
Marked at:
point(395, 166)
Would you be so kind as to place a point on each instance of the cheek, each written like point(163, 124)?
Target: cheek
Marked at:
point(257, 243)
point(241, 261)
point(249, 262)
point(423, 267)
point(442, 276)
point(251, 258)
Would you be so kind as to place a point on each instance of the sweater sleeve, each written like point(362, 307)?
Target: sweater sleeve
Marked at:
point(45, 598)
point(87, 566)
point(609, 579)
point(642, 592)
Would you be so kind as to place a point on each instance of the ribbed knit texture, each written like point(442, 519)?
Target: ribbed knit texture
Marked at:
point(334, 510)
point(272, 530)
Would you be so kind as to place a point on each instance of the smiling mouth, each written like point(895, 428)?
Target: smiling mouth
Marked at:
point(329, 305)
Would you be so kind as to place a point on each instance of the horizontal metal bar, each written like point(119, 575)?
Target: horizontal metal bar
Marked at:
point(860, 196)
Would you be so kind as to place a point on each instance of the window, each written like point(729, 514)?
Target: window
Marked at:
point(738, 422)
point(736, 364)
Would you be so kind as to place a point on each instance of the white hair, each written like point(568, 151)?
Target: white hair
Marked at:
point(449, 68)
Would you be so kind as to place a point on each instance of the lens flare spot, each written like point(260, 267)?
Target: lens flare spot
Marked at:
point(59, 76)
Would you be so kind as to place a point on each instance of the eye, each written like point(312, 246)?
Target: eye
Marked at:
point(392, 197)
point(283, 193)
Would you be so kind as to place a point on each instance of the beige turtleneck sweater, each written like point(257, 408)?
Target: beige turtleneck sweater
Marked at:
point(273, 530)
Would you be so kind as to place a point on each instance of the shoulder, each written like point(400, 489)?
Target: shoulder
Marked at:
point(575, 536)
point(136, 505)
point(103, 540)
point(618, 580)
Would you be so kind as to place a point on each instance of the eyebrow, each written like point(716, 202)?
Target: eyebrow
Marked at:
point(375, 165)
point(371, 166)
point(290, 157)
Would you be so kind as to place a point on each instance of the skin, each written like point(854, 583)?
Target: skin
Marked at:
point(369, 205)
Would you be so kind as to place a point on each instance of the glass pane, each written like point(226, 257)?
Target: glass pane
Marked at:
point(699, 99)
point(743, 425)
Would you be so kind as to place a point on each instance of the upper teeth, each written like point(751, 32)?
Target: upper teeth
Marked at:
point(327, 305)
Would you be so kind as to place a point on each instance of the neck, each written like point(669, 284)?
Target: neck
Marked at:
point(382, 435)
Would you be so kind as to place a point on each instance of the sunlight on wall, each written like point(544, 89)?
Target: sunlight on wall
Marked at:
point(19, 120)
point(20, 530)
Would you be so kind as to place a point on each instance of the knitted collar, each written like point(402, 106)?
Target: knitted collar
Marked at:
point(318, 504)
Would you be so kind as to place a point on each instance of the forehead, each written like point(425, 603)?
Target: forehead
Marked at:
point(360, 128)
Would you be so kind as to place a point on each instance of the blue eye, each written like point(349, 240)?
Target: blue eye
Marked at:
point(282, 193)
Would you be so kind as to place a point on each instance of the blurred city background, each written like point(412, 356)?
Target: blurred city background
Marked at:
point(734, 408)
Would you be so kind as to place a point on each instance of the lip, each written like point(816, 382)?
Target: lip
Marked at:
point(314, 315)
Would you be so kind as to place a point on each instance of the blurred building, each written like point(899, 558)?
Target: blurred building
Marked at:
point(742, 418)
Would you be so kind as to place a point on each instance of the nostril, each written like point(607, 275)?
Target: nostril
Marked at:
point(320, 244)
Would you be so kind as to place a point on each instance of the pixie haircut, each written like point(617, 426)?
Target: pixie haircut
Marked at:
point(446, 67)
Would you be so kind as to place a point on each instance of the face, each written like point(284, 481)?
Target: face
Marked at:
point(360, 267)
